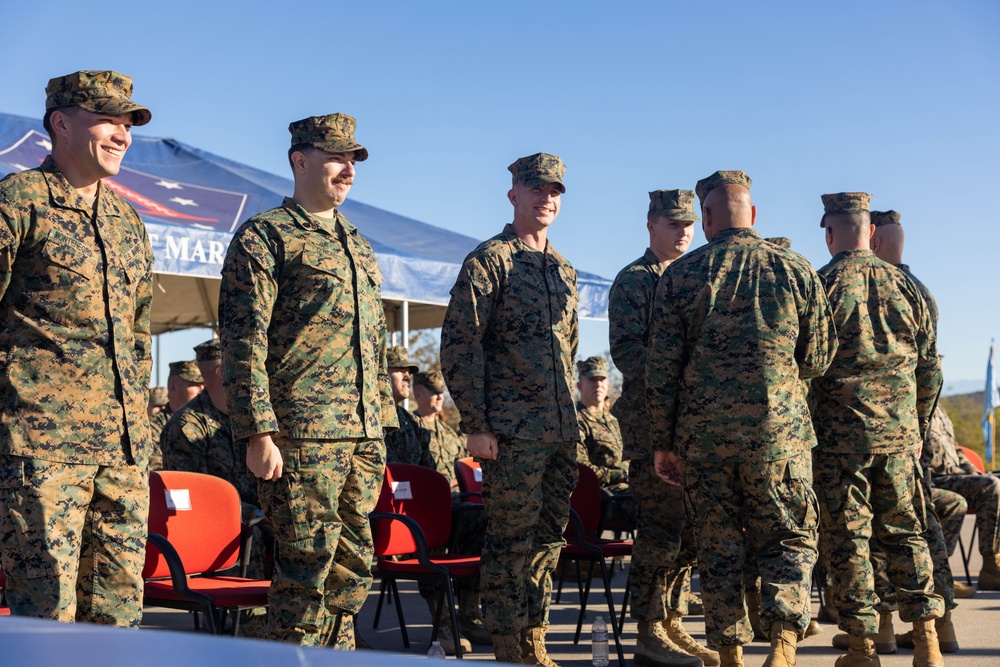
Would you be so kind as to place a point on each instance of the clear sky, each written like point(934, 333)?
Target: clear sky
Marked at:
point(899, 99)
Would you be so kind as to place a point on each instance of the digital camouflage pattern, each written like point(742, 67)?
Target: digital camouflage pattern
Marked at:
point(397, 357)
point(75, 294)
point(60, 563)
point(846, 202)
point(210, 350)
point(97, 91)
point(720, 178)
point(736, 325)
point(537, 170)
point(629, 306)
point(880, 218)
point(600, 447)
point(408, 443)
point(592, 367)
point(526, 495)
point(187, 371)
point(446, 445)
point(311, 364)
point(433, 380)
point(932, 308)
point(319, 511)
point(333, 133)
point(509, 340)
point(673, 204)
point(878, 395)
point(780, 241)
point(158, 397)
point(156, 424)
point(199, 438)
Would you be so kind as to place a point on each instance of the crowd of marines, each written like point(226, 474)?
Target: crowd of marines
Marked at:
point(765, 406)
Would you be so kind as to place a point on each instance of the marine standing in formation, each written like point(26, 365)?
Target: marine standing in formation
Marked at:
point(307, 384)
point(508, 343)
point(75, 293)
point(736, 326)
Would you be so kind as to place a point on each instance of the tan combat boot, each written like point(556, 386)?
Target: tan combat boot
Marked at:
point(885, 640)
point(444, 632)
point(533, 651)
point(964, 590)
point(947, 640)
point(753, 613)
point(507, 648)
point(731, 656)
point(784, 637)
point(470, 617)
point(685, 642)
point(860, 653)
point(926, 650)
point(989, 576)
point(653, 648)
point(813, 629)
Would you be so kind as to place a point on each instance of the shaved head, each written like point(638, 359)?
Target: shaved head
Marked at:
point(847, 231)
point(725, 207)
point(887, 243)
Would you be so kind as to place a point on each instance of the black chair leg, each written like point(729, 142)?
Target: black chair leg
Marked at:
point(381, 596)
point(454, 617)
point(399, 612)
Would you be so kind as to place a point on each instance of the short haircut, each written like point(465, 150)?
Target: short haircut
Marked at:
point(298, 148)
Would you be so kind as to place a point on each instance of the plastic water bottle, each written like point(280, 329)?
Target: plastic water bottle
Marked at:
point(437, 651)
point(599, 642)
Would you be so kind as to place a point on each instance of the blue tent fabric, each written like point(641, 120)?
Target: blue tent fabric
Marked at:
point(192, 201)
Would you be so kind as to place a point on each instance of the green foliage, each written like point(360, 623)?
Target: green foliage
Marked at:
point(966, 412)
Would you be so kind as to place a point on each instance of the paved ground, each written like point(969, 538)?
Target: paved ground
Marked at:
point(977, 621)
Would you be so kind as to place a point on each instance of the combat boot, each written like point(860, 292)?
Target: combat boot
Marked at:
point(507, 648)
point(753, 613)
point(685, 642)
point(533, 647)
point(885, 640)
point(947, 640)
point(860, 653)
point(444, 631)
point(653, 648)
point(731, 656)
point(964, 590)
point(926, 649)
point(470, 618)
point(989, 576)
point(813, 629)
point(784, 637)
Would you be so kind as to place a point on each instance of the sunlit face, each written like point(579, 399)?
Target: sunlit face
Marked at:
point(536, 207)
point(326, 177)
point(428, 401)
point(180, 391)
point(593, 390)
point(399, 379)
point(92, 145)
point(670, 238)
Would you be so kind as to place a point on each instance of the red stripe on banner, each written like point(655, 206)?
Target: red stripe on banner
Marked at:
point(148, 205)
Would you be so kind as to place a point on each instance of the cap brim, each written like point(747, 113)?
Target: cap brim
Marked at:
point(683, 216)
point(537, 183)
point(112, 107)
point(360, 152)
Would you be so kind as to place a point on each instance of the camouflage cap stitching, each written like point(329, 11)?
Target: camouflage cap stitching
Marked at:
point(730, 177)
point(592, 367)
point(537, 170)
point(333, 133)
point(98, 91)
point(673, 204)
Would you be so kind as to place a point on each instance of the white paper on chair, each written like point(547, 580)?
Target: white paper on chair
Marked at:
point(477, 474)
point(178, 499)
point(402, 491)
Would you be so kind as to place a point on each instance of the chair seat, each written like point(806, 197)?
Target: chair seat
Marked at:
point(611, 549)
point(4, 611)
point(224, 591)
point(457, 566)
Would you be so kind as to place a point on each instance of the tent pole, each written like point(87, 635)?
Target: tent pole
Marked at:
point(406, 324)
point(158, 360)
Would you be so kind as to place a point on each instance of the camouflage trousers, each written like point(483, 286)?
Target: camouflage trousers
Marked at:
point(983, 495)
point(774, 500)
point(318, 510)
point(862, 495)
point(526, 494)
point(664, 551)
point(73, 540)
point(943, 508)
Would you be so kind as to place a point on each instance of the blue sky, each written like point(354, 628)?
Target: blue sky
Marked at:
point(899, 99)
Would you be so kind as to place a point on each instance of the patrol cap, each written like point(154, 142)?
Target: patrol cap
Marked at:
point(592, 367)
point(186, 370)
point(781, 241)
point(881, 218)
point(432, 380)
point(537, 170)
point(158, 396)
point(210, 350)
point(844, 202)
point(98, 91)
point(398, 357)
point(673, 204)
point(333, 133)
point(731, 177)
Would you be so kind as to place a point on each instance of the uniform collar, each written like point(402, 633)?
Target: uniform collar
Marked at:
point(308, 221)
point(64, 195)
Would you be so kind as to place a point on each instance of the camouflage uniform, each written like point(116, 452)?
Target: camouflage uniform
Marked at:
point(870, 411)
point(409, 443)
point(600, 449)
point(310, 367)
point(75, 294)
point(508, 343)
point(187, 371)
point(736, 326)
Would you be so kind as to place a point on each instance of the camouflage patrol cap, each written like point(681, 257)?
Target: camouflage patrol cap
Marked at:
point(537, 170)
point(186, 370)
point(98, 91)
point(432, 380)
point(158, 396)
point(731, 177)
point(780, 241)
point(673, 204)
point(398, 357)
point(844, 202)
point(592, 367)
point(210, 350)
point(881, 218)
point(333, 133)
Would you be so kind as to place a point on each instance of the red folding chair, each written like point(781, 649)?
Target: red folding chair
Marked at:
point(411, 519)
point(4, 609)
point(975, 460)
point(470, 479)
point(195, 538)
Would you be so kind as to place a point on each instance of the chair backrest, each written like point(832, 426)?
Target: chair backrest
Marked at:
point(423, 495)
point(200, 516)
point(586, 499)
point(973, 457)
point(470, 478)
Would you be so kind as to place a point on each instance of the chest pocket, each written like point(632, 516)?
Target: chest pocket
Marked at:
point(68, 253)
point(326, 264)
point(372, 271)
point(134, 261)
